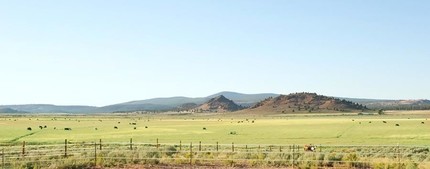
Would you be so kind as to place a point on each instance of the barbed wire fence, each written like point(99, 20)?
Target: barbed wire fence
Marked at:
point(99, 153)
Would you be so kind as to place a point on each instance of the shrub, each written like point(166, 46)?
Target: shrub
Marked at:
point(171, 150)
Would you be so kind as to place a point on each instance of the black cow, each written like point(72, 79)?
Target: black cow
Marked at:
point(384, 121)
point(115, 127)
point(204, 128)
point(67, 128)
point(29, 128)
point(422, 122)
point(40, 127)
point(397, 124)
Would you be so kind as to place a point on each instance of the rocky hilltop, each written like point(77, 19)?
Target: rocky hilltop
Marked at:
point(306, 102)
point(218, 104)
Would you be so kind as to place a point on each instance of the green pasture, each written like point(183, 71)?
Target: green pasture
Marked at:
point(343, 130)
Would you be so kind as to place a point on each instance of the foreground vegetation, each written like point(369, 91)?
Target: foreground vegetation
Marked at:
point(88, 155)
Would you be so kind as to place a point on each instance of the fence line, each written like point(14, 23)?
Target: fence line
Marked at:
point(99, 151)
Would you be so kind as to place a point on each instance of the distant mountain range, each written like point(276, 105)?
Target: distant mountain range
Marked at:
point(155, 104)
point(421, 104)
point(12, 111)
point(241, 100)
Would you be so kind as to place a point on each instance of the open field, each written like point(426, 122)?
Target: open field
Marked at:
point(218, 140)
point(326, 130)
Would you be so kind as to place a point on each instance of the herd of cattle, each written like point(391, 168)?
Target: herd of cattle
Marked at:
point(397, 124)
point(68, 128)
point(204, 128)
point(43, 127)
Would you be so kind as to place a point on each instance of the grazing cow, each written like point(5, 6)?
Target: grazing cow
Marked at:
point(397, 124)
point(370, 121)
point(252, 121)
point(44, 126)
point(29, 128)
point(384, 121)
point(115, 127)
point(55, 128)
point(310, 148)
point(146, 127)
point(422, 122)
point(204, 128)
point(135, 128)
point(67, 128)
point(96, 128)
point(40, 127)
point(119, 122)
point(133, 124)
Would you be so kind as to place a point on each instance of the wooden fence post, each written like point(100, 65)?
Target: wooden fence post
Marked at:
point(95, 153)
point(191, 153)
point(157, 144)
point(280, 148)
point(180, 145)
point(23, 148)
point(200, 145)
point(246, 148)
point(131, 143)
point(217, 146)
point(398, 155)
point(294, 147)
point(100, 144)
point(232, 147)
point(65, 147)
point(2, 157)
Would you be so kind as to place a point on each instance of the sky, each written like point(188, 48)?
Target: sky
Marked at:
point(103, 52)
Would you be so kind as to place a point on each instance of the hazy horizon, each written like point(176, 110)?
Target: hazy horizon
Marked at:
point(199, 97)
point(105, 52)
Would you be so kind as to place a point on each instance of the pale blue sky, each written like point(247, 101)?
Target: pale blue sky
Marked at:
point(104, 52)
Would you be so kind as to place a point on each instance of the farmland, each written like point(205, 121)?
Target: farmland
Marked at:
point(327, 130)
point(393, 140)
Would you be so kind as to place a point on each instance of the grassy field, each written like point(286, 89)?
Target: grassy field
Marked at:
point(325, 130)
